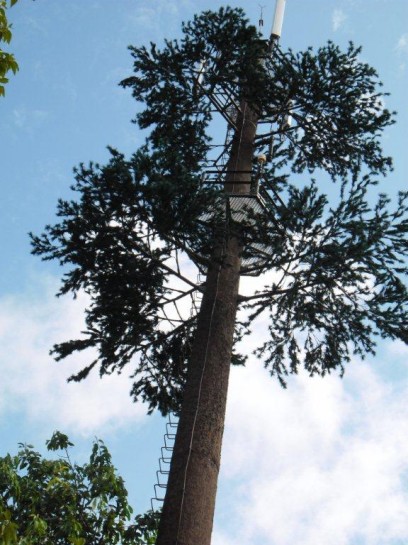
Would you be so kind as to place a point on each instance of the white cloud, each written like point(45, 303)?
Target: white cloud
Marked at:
point(158, 16)
point(29, 119)
point(324, 458)
point(35, 385)
point(152, 14)
point(402, 44)
point(402, 50)
point(398, 349)
point(338, 19)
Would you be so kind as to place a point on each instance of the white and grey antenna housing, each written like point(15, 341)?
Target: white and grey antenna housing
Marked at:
point(278, 19)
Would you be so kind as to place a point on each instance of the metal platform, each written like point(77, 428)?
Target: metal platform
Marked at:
point(252, 211)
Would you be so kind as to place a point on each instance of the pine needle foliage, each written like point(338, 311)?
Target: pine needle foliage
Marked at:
point(334, 278)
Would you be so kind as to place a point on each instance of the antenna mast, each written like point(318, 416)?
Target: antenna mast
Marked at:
point(188, 508)
point(261, 21)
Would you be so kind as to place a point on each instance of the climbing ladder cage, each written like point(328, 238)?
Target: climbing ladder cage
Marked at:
point(223, 96)
point(166, 453)
point(256, 208)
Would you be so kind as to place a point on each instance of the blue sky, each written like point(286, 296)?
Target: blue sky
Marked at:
point(325, 461)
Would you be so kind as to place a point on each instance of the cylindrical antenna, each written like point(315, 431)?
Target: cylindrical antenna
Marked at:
point(278, 19)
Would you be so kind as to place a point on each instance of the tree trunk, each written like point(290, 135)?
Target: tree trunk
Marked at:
point(188, 509)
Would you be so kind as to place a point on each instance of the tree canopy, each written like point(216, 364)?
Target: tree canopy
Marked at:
point(335, 263)
point(57, 501)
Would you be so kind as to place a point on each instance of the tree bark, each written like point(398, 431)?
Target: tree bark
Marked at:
point(188, 509)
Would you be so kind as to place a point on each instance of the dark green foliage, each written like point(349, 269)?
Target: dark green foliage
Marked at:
point(337, 109)
point(179, 114)
point(144, 531)
point(60, 502)
point(338, 267)
point(165, 80)
point(108, 240)
point(340, 281)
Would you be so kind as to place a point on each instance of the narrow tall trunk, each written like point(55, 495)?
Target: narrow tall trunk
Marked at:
point(188, 510)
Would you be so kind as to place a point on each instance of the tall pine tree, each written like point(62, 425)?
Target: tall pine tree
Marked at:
point(333, 268)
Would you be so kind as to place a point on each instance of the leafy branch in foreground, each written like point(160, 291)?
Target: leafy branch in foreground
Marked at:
point(58, 501)
point(7, 61)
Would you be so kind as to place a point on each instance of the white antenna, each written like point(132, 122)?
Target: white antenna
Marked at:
point(278, 19)
point(287, 120)
point(201, 71)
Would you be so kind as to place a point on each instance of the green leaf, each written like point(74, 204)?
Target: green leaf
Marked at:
point(77, 540)
point(58, 441)
point(8, 533)
point(68, 503)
